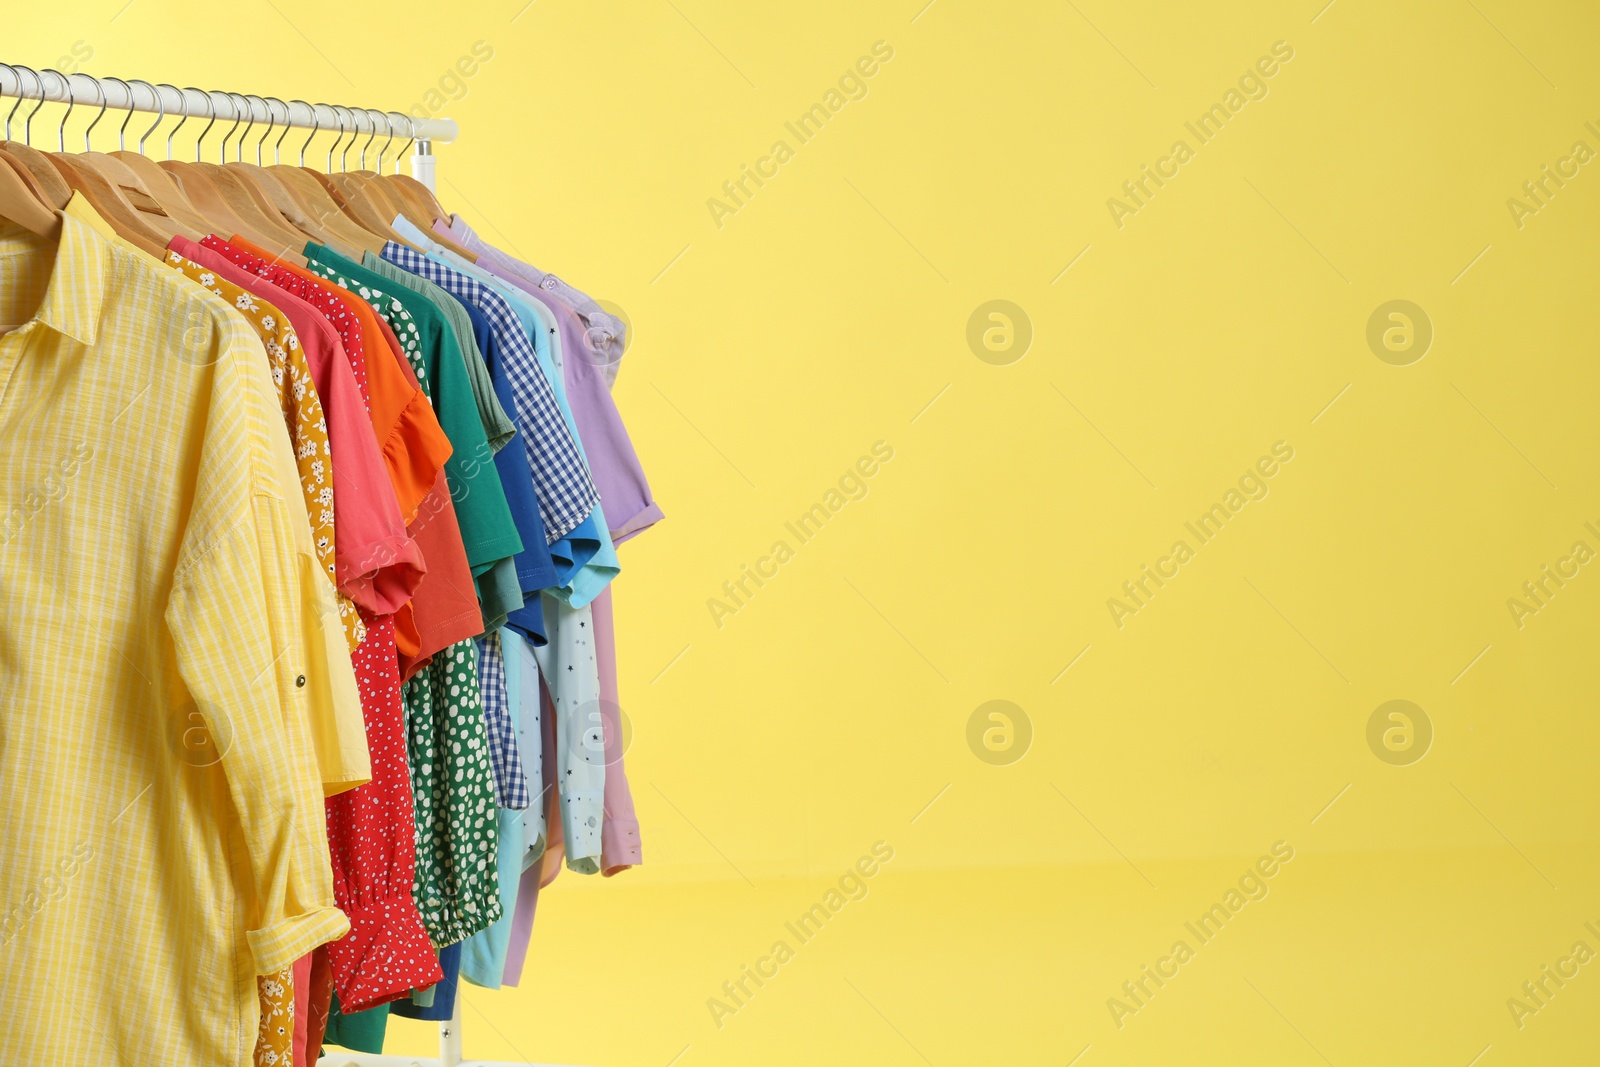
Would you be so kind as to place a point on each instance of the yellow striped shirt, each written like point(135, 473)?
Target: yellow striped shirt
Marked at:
point(162, 653)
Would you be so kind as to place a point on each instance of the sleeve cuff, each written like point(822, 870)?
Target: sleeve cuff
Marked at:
point(619, 845)
point(637, 524)
point(387, 574)
point(385, 956)
point(279, 945)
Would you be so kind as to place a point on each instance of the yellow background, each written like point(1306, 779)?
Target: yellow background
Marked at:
point(1230, 313)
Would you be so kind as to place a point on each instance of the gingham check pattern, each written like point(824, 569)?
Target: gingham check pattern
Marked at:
point(566, 493)
point(161, 817)
point(510, 781)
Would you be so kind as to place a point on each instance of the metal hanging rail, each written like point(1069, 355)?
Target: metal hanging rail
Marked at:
point(26, 83)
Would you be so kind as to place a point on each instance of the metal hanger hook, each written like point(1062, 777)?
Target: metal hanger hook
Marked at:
point(27, 123)
point(388, 128)
point(237, 119)
point(355, 129)
point(316, 128)
point(66, 87)
point(222, 151)
point(211, 107)
point(249, 124)
point(121, 145)
point(340, 120)
point(161, 116)
point(288, 119)
point(102, 91)
point(18, 104)
point(183, 98)
point(271, 121)
point(411, 134)
point(370, 112)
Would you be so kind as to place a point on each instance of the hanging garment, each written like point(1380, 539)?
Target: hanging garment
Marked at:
point(538, 328)
point(497, 425)
point(166, 836)
point(302, 411)
point(409, 436)
point(483, 957)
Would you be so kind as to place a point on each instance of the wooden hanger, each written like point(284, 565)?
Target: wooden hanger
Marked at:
point(105, 198)
point(296, 209)
point(197, 186)
point(276, 200)
point(333, 218)
point(350, 239)
point(304, 206)
point(410, 199)
point(245, 195)
point(37, 166)
point(449, 242)
point(157, 183)
point(279, 235)
point(421, 195)
point(150, 191)
point(32, 183)
point(112, 206)
point(128, 189)
point(350, 189)
point(48, 186)
point(356, 203)
point(328, 212)
point(209, 197)
point(357, 217)
point(19, 204)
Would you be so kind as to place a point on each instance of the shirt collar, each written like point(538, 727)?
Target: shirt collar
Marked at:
point(411, 232)
point(76, 291)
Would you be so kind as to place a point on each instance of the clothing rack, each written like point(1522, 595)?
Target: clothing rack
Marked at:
point(218, 105)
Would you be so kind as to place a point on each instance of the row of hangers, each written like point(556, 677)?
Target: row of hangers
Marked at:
point(278, 207)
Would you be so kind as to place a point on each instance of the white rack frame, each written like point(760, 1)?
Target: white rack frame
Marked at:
point(219, 105)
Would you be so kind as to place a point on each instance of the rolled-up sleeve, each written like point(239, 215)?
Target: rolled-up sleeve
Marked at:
point(226, 608)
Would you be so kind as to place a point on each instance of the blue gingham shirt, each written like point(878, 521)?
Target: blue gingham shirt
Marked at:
point(510, 781)
point(566, 492)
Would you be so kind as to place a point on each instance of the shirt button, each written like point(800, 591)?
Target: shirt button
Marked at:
point(550, 281)
point(300, 681)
